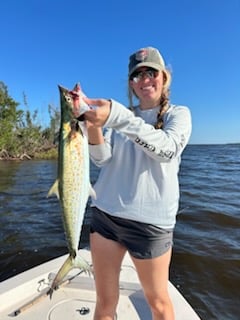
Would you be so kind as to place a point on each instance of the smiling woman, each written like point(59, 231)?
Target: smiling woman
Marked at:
point(139, 154)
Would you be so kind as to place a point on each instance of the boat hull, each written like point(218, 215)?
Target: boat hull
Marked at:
point(24, 296)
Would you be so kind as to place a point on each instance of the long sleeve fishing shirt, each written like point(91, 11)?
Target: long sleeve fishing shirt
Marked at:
point(139, 164)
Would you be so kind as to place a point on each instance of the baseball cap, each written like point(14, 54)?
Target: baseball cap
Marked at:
point(146, 57)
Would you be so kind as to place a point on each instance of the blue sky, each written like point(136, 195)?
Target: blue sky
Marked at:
point(49, 42)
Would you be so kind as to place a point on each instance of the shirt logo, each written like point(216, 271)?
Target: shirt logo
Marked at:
point(150, 147)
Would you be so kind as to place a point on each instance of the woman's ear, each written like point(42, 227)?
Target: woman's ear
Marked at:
point(131, 84)
point(166, 78)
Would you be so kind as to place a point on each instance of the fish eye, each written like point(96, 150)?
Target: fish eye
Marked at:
point(68, 98)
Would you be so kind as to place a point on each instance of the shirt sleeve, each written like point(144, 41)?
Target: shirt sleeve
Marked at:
point(100, 154)
point(160, 144)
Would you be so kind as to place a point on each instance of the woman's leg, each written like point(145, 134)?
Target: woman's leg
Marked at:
point(107, 256)
point(153, 275)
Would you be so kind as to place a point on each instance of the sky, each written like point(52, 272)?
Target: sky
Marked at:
point(49, 42)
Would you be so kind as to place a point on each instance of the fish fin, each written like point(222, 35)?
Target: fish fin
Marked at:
point(69, 264)
point(54, 189)
point(92, 192)
point(63, 271)
point(82, 264)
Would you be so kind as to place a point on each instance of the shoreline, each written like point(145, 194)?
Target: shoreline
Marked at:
point(50, 154)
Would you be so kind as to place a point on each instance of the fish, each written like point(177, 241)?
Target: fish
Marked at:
point(72, 186)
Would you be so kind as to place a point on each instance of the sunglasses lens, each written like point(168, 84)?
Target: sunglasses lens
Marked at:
point(139, 75)
point(150, 73)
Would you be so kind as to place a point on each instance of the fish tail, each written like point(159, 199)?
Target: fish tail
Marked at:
point(69, 264)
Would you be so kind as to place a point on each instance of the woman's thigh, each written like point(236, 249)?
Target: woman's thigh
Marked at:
point(107, 256)
point(154, 274)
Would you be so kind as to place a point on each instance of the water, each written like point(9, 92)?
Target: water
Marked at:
point(206, 258)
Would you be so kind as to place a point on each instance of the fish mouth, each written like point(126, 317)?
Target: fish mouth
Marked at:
point(76, 113)
point(81, 117)
point(79, 107)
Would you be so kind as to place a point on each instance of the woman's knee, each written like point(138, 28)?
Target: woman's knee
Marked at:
point(106, 305)
point(160, 305)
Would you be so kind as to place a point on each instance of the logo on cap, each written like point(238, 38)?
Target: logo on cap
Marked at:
point(141, 55)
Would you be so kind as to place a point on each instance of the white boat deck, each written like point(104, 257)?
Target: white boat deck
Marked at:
point(76, 299)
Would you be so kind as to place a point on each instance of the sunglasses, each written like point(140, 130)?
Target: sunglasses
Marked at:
point(139, 75)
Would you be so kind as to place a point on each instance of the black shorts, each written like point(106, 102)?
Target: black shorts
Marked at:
point(142, 240)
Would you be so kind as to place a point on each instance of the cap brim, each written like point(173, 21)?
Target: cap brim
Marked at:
point(146, 64)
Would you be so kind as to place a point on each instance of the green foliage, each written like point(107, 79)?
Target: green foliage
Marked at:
point(47, 155)
point(21, 135)
point(10, 117)
point(55, 115)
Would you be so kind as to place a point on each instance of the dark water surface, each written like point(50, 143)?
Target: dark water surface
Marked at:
point(206, 256)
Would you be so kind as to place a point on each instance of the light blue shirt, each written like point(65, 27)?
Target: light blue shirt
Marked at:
point(139, 164)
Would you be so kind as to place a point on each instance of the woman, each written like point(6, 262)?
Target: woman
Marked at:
point(137, 189)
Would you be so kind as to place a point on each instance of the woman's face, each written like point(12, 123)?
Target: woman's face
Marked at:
point(147, 84)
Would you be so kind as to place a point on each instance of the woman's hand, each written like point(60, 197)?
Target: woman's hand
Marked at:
point(98, 116)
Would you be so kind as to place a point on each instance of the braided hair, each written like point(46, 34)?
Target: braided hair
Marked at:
point(164, 100)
